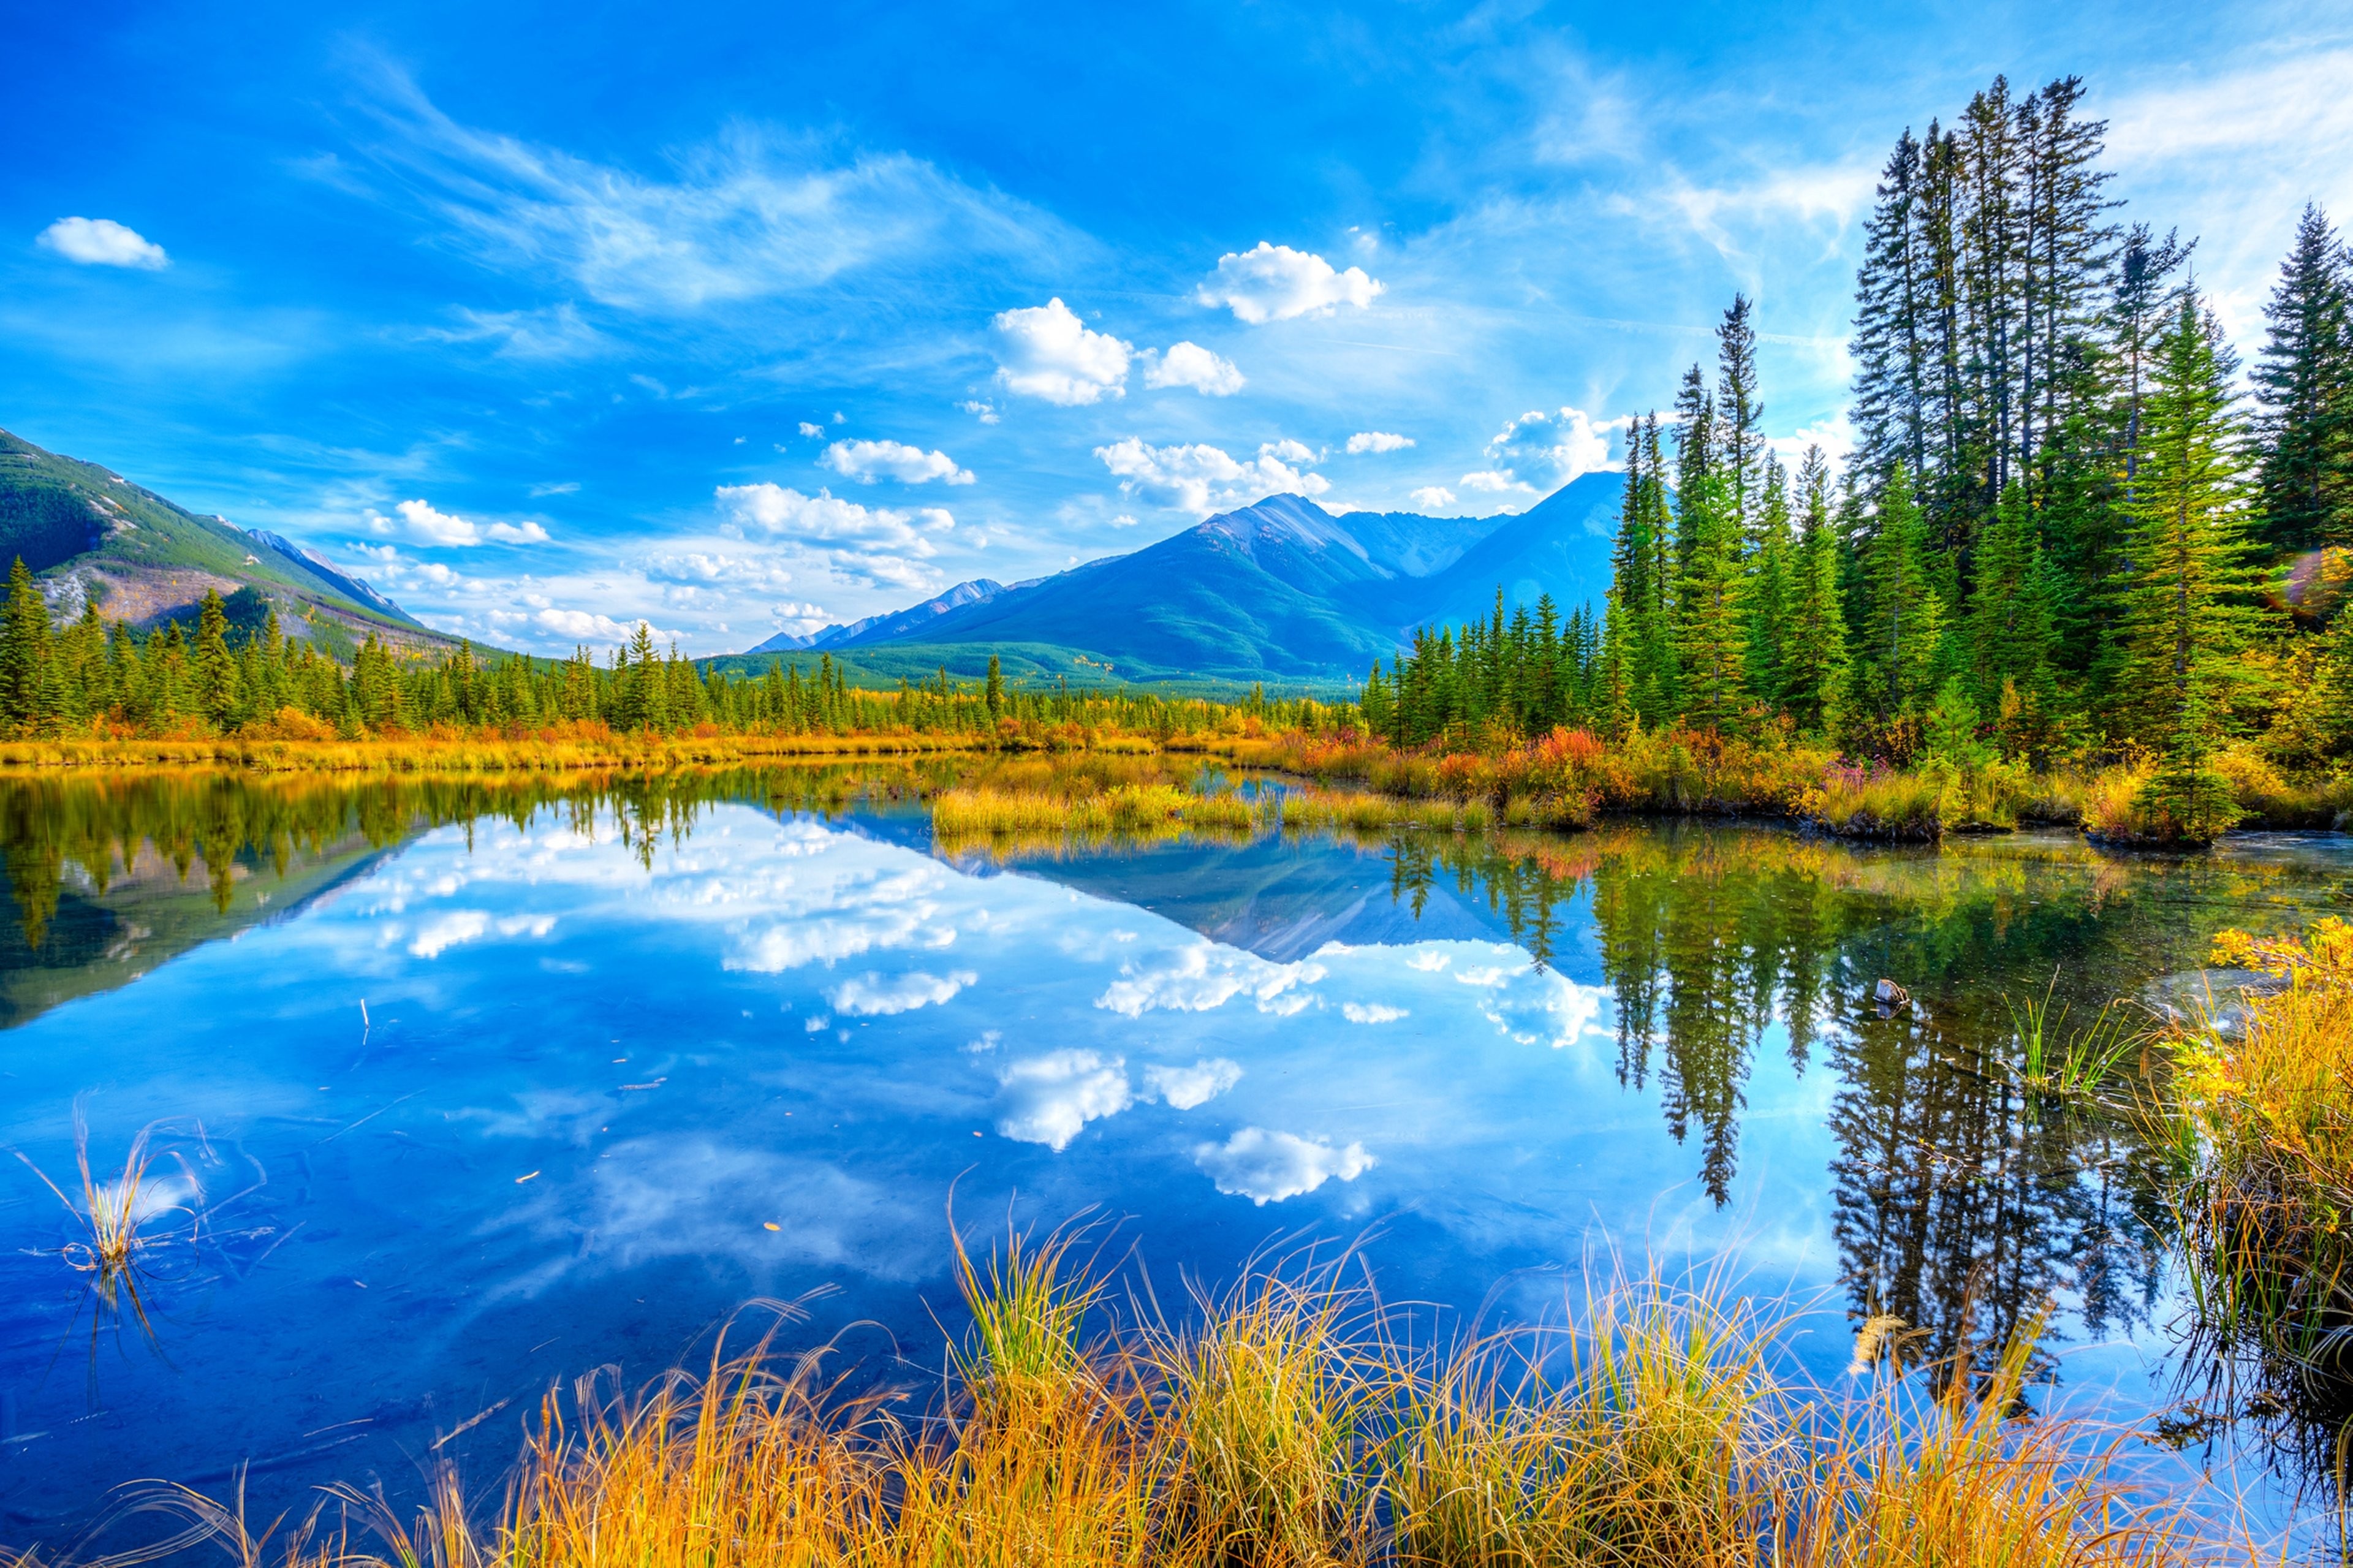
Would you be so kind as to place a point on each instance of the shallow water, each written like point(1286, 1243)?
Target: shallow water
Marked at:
point(472, 1088)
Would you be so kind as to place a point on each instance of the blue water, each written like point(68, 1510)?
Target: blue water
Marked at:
point(476, 1107)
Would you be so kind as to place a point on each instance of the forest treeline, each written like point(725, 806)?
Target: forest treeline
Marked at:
point(2068, 532)
point(216, 679)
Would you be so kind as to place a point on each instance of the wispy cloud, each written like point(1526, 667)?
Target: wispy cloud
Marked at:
point(751, 214)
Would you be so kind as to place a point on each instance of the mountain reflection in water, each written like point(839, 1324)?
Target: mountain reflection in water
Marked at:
point(639, 1049)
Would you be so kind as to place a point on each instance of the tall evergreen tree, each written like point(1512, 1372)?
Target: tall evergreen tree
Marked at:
point(1738, 433)
point(2011, 633)
point(23, 652)
point(216, 668)
point(1900, 648)
point(1814, 657)
point(2189, 609)
point(1711, 635)
point(2304, 383)
point(1771, 593)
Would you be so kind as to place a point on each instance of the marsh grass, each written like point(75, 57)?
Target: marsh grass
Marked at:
point(115, 1222)
point(2070, 1063)
point(2266, 1113)
point(1289, 1424)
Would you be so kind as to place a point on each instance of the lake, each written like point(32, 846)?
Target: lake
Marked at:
point(457, 1090)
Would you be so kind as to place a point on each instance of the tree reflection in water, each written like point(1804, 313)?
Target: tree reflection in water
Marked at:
point(1967, 1207)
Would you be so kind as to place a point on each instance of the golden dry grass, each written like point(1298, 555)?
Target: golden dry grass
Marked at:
point(1286, 1428)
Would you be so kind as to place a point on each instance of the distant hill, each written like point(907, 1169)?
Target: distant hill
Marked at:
point(86, 532)
point(1280, 591)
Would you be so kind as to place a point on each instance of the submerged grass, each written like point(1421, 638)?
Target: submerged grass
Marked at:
point(1289, 1428)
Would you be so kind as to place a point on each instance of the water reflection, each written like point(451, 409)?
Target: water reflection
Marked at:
point(637, 1049)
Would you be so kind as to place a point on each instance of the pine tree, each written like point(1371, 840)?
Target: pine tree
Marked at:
point(1902, 630)
point(2189, 609)
point(1711, 641)
point(996, 689)
point(24, 653)
point(1738, 433)
point(1771, 589)
point(1814, 661)
point(2011, 634)
point(216, 668)
point(2305, 381)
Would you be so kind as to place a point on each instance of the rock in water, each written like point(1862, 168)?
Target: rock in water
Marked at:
point(1887, 993)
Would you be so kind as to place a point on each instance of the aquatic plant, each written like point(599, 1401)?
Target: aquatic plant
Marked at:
point(113, 1220)
point(2053, 1059)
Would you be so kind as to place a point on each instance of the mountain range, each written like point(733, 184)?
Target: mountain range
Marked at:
point(1280, 591)
point(1283, 590)
point(87, 532)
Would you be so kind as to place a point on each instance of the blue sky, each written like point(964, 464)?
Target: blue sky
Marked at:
point(748, 318)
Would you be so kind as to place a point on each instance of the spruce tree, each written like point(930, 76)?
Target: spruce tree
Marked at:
point(1902, 625)
point(2011, 633)
point(23, 652)
point(1771, 590)
point(995, 688)
point(2304, 383)
point(1739, 434)
point(1711, 636)
point(2189, 611)
point(1814, 659)
point(216, 668)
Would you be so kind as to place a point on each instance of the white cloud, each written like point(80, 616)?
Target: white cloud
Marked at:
point(810, 430)
point(984, 412)
point(1540, 450)
point(1184, 1088)
point(1431, 496)
point(1205, 975)
point(1373, 1013)
point(583, 625)
point(447, 932)
point(1202, 479)
point(699, 568)
point(874, 996)
point(424, 525)
point(103, 242)
point(1290, 451)
point(868, 461)
point(1377, 441)
point(1051, 1099)
point(1046, 351)
point(1493, 482)
point(879, 545)
point(1835, 436)
point(1275, 283)
point(1267, 1167)
point(1190, 365)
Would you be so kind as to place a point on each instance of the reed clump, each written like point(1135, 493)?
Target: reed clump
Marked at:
point(1291, 1426)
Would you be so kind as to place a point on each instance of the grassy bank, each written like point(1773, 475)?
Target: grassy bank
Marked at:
point(571, 748)
point(1563, 780)
point(1292, 1426)
point(1569, 777)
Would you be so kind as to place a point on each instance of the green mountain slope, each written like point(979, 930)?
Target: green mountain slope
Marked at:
point(87, 533)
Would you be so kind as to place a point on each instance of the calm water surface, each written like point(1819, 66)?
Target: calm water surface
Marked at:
point(476, 1089)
